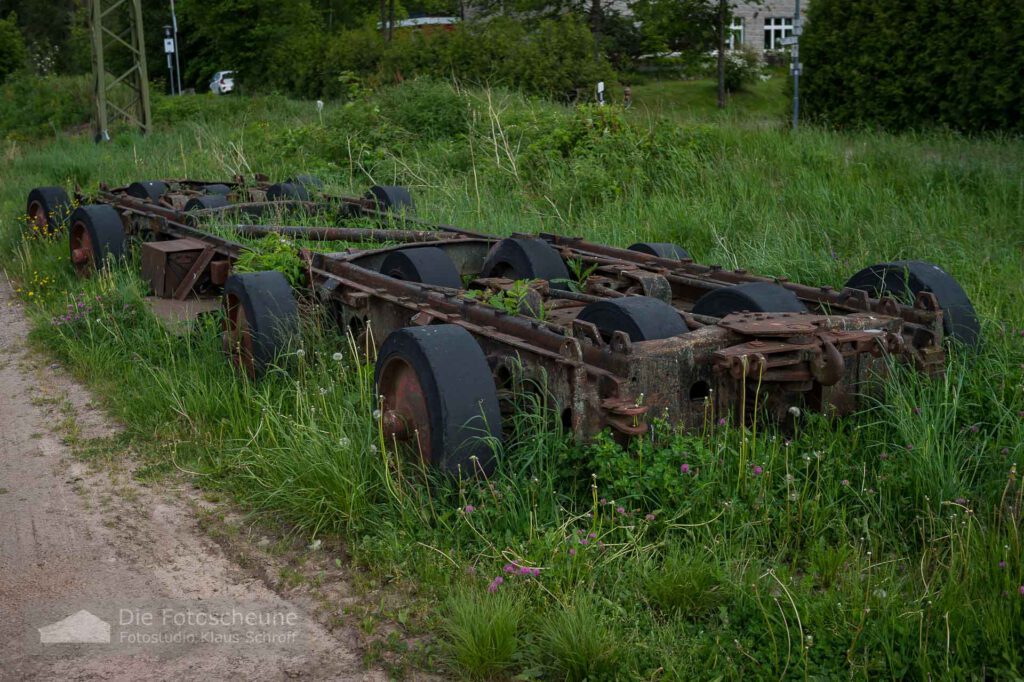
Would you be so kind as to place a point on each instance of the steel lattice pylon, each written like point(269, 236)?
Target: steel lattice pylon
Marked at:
point(116, 27)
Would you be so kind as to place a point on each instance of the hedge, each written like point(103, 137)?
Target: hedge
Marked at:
point(912, 64)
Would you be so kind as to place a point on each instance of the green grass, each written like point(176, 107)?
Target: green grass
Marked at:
point(760, 104)
point(864, 547)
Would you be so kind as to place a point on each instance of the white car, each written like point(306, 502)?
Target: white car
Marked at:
point(222, 82)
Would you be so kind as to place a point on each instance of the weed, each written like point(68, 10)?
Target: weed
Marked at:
point(482, 632)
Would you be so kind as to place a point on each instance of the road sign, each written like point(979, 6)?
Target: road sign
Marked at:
point(790, 40)
point(169, 45)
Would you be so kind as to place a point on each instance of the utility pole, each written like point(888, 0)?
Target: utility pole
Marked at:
point(795, 67)
point(177, 63)
point(116, 25)
point(721, 53)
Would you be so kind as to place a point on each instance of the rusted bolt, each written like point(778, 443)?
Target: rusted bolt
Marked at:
point(394, 426)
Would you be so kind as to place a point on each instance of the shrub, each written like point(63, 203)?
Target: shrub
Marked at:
point(31, 105)
point(425, 108)
point(742, 67)
point(555, 60)
point(273, 252)
point(901, 65)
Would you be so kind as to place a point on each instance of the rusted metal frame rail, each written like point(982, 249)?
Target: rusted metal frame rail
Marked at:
point(688, 273)
point(342, 234)
point(594, 384)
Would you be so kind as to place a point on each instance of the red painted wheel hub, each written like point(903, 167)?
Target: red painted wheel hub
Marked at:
point(82, 253)
point(404, 411)
point(238, 337)
point(37, 214)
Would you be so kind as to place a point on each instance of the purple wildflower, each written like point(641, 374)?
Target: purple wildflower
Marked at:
point(1022, 590)
point(846, 481)
point(525, 570)
point(684, 468)
point(470, 509)
point(591, 535)
point(470, 570)
point(910, 446)
point(620, 510)
point(535, 572)
point(961, 501)
point(650, 517)
point(493, 587)
point(509, 568)
point(884, 456)
point(721, 421)
point(758, 470)
point(1002, 564)
point(572, 551)
point(584, 542)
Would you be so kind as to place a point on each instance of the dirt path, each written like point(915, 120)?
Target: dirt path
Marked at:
point(107, 551)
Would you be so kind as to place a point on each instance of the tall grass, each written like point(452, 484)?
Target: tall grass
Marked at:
point(884, 544)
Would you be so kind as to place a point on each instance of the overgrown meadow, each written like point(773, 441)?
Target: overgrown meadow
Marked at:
point(887, 544)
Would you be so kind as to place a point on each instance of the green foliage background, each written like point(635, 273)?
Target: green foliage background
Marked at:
point(909, 65)
point(12, 47)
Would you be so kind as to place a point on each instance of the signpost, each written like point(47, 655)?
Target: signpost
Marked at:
point(169, 51)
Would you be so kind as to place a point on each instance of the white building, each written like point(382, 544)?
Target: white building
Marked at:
point(761, 26)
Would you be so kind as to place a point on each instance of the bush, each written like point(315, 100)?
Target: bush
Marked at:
point(31, 105)
point(901, 65)
point(742, 67)
point(555, 60)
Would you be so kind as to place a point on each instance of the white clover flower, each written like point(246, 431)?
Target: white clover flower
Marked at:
point(344, 442)
point(794, 410)
point(373, 448)
point(300, 353)
point(337, 357)
point(315, 545)
point(376, 414)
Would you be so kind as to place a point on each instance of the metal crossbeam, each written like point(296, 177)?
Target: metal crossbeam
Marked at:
point(116, 29)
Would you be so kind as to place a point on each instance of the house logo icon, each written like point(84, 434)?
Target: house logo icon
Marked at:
point(80, 628)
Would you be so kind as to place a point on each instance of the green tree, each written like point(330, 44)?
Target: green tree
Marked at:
point(683, 25)
point(13, 54)
point(269, 43)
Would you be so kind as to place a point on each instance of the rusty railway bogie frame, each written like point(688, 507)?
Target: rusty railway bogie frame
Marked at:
point(822, 359)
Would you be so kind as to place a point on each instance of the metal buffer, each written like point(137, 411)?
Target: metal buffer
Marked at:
point(117, 42)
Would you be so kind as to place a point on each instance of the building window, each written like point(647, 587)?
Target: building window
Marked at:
point(735, 36)
point(775, 29)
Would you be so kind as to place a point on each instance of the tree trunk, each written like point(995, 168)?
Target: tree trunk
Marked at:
point(721, 53)
point(597, 26)
point(391, 18)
